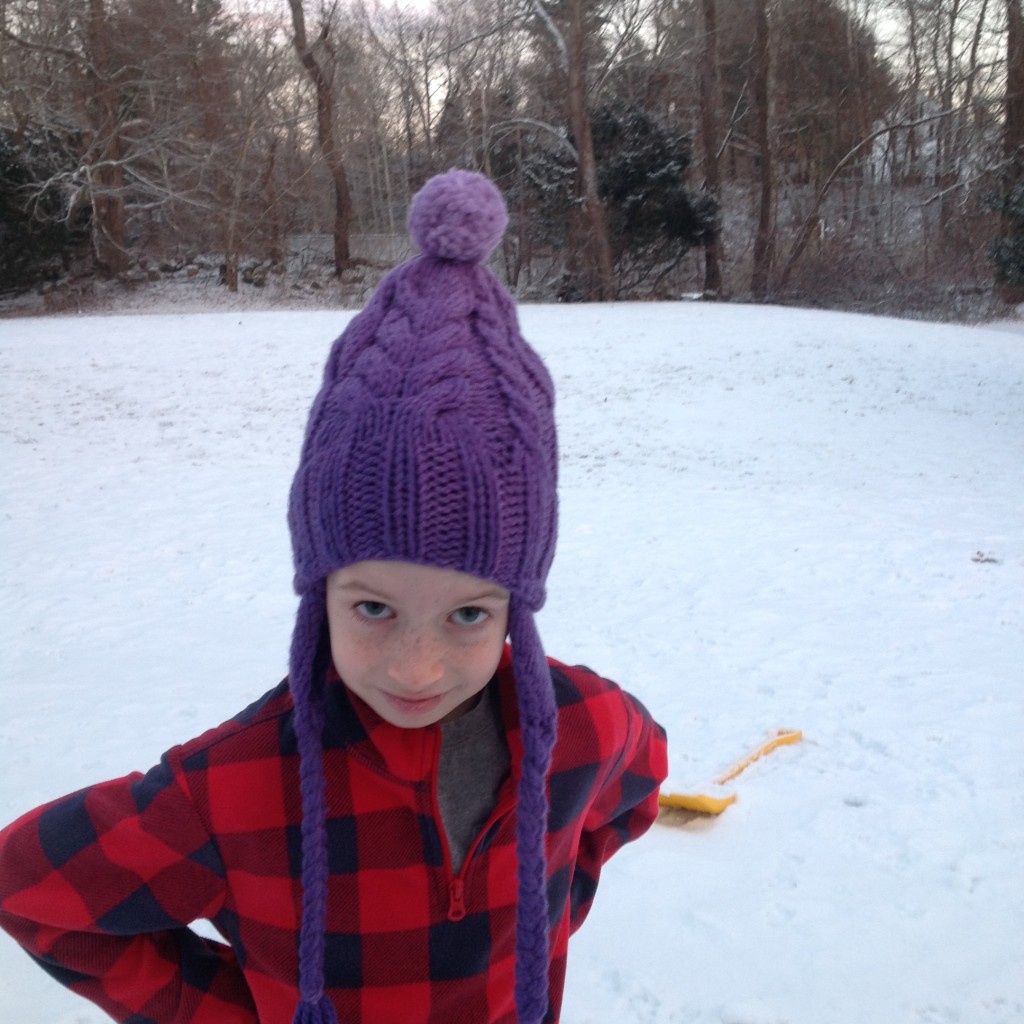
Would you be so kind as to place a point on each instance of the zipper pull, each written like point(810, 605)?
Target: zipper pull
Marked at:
point(456, 906)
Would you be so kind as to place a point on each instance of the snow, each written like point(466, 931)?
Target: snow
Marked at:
point(770, 518)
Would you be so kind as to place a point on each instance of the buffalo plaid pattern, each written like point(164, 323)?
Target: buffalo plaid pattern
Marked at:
point(100, 887)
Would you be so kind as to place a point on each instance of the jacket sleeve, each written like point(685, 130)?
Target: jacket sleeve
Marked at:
point(624, 801)
point(99, 889)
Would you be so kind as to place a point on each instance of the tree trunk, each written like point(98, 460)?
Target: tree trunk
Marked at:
point(1013, 140)
point(232, 214)
point(709, 100)
point(1013, 137)
point(276, 242)
point(103, 161)
point(763, 240)
point(591, 219)
point(325, 138)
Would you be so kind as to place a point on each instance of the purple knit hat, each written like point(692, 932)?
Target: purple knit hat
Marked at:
point(432, 440)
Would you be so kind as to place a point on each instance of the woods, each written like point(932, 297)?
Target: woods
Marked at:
point(861, 154)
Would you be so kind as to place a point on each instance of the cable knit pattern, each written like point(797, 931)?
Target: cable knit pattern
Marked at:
point(432, 440)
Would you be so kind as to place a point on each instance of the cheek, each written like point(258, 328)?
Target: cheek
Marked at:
point(348, 649)
point(488, 653)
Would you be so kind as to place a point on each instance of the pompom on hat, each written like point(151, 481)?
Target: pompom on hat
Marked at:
point(431, 440)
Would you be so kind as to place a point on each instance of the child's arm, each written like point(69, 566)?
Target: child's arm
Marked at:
point(99, 889)
point(626, 803)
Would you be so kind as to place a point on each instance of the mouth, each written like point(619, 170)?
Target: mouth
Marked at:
point(414, 706)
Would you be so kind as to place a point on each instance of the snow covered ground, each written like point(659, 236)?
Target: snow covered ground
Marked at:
point(770, 518)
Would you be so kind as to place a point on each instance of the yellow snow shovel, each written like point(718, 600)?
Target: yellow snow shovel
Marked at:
point(714, 797)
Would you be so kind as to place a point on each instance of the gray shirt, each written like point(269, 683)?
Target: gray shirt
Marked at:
point(474, 763)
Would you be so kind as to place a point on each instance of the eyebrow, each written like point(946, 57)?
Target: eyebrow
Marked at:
point(494, 593)
point(358, 585)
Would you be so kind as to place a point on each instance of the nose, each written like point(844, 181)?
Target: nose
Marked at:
point(415, 660)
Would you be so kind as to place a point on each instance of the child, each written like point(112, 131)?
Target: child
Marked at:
point(408, 829)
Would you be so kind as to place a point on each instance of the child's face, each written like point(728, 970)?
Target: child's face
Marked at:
point(416, 643)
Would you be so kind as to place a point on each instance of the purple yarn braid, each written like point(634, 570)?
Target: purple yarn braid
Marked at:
point(306, 681)
point(537, 722)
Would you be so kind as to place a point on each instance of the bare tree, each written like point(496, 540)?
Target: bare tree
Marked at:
point(1013, 138)
point(326, 134)
point(1011, 282)
point(764, 242)
point(103, 162)
point(165, 111)
point(246, 148)
point(589, 235)
point(89, 86)
point(710, 142)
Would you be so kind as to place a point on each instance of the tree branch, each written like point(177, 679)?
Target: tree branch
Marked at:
point(530, 122)
point(58, 51)
point(807, 228)
point(556, 35)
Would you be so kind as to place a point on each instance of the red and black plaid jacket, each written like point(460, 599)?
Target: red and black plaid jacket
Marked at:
point(99, 887)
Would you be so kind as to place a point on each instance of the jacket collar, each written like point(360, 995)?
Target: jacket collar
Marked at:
point(410, 755)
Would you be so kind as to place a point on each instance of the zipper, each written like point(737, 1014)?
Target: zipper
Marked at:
point(457, 882)
point(456, 904)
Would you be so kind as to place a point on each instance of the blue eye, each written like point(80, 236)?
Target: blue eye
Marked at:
point(469, 616)
point(373, 610)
